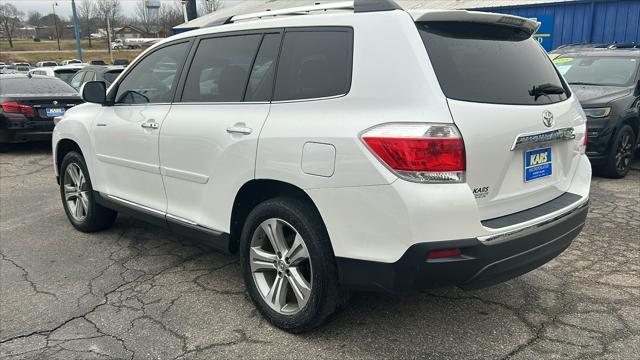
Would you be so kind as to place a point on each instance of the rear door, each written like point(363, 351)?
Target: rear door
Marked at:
point(501, 86)
point(209, 139)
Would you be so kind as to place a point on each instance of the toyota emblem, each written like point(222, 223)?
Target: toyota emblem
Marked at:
point(547, 118)
point(55, 102)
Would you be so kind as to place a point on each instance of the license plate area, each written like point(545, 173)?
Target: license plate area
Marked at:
point(537, 164)
point(53, 112)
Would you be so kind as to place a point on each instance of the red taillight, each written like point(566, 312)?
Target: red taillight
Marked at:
point(428, 154)
point(17, 108)
point(444, 253)
point(419, 152)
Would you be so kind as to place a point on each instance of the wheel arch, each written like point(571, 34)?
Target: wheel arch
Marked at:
point(63, 147)
point(634, 123)
point(255, 192)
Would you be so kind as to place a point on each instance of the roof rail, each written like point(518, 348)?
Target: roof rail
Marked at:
point(300, 10)
point(358, 6)
point(631, 45)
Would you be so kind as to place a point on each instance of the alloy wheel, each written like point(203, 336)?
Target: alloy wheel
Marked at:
point(75, 192)
point(624, 152)
point(280, 266)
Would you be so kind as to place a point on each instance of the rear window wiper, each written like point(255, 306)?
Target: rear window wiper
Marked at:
point(546, 89)
point(584, 83)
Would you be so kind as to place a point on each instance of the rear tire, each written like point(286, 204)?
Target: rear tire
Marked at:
point(620, 155)
point(288, 264)
point(78, 198)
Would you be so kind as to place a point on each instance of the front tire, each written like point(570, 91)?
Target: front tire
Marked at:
point(288, 264)
point(621, 154)
point(78, 198)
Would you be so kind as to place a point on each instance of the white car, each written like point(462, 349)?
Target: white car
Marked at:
point(46, 64)
point(357, 146)
point(70, 62)
point(65, 72)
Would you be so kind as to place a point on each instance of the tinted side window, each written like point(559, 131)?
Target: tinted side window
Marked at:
point(220, 69)
point(264, 68)
point(153, 79)
point(314, 64)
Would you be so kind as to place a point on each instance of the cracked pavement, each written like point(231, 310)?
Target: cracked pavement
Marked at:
point(138, 292)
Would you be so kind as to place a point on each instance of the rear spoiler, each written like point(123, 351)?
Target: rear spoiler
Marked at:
point(528, 25)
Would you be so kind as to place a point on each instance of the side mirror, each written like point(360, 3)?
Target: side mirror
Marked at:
point(94, 92)
point(638, 88)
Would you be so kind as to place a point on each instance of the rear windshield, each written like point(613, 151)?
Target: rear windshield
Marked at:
point(490, 63)
point(110, 76)
point(66, 74)
point(35, 86)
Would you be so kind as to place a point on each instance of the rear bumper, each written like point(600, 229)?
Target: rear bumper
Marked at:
point(24, 135)
point(481, 263)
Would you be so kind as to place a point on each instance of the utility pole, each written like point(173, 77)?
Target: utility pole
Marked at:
point(76, 29)
point(109, 39)
point(55, 22)
point(192, 9)
point(184, 10)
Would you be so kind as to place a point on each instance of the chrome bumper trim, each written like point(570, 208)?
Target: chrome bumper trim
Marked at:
point(509, 234)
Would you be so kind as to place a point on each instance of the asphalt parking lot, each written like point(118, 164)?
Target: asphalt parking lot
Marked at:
point(135, 292)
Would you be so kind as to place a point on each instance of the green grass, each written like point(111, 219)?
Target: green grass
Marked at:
point(65, 44)
point(33, 57)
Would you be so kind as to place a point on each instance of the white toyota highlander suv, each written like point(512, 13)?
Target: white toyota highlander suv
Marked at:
point(337, 147)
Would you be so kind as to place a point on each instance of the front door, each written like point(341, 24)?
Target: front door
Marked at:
point(125, 135)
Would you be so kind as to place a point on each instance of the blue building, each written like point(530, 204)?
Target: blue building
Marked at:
point(563, 21)
point(581, 21)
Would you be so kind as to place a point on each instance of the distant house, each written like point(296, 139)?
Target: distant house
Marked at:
point(22, 31)
point(25, 32)
point(128, 32)
point(49, 32)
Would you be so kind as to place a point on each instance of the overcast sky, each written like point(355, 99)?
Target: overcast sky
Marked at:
point(64, 6)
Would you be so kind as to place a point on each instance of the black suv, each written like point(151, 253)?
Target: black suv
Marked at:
point(607, 83)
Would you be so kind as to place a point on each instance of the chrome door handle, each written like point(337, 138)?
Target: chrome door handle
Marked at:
point(239, 130)
point(150, 125)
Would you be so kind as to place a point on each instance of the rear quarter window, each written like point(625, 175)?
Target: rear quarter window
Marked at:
point(66, 74)
point(110, 76)
point(489, 63)
point(314, 63)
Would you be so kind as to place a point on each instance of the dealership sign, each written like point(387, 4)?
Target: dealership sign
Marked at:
point(544, 35)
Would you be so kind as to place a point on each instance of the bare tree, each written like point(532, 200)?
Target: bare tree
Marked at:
point(55, 23)
point(87, 12)
point(145, 18)
point(108, 11)
point(209, 6)
point(9, 21)
point(170, 16)
point(34, 18)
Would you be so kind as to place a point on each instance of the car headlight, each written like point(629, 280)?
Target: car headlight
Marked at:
point(597, 112)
